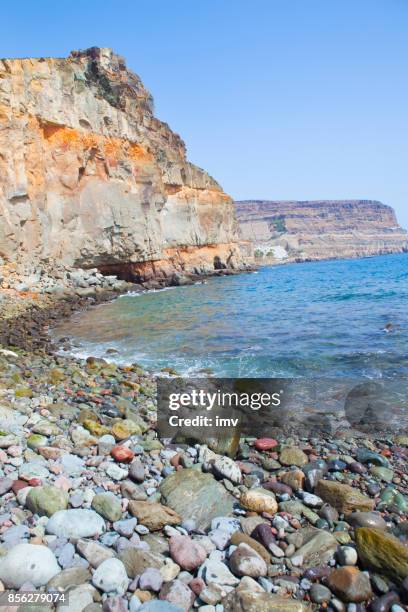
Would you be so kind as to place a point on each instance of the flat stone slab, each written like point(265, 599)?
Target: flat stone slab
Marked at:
point(196, 496)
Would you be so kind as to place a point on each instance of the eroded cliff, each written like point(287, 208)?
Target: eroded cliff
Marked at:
point(321, 229)
point(90, 178)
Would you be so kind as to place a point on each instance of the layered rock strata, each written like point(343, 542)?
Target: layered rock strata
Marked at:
point(89, 177)
point(322, 229)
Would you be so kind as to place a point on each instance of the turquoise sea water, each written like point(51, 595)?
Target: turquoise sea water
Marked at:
point(312, 319)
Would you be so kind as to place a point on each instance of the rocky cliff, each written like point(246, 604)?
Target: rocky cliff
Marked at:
point(321, 229)
point(90, 178)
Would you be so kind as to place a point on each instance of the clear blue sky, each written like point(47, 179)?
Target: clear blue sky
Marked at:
point(278, 99)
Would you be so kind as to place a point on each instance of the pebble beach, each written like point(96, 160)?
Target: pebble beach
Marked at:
point(95, 505)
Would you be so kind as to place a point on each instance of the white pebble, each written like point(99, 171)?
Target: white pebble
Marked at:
point(346, 555)
point(110, 577)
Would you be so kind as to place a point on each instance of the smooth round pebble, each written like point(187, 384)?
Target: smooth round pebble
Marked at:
point(28, 563)
point(111, 577)
point(347, 555)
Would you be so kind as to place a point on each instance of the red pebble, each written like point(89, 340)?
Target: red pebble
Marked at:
point(35, 482)
point(197, 585)
point(122, 454)
point(263, 444)
point(18, 485)
point(175, 460)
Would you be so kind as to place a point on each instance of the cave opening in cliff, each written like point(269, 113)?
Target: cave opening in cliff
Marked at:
point(125, 272)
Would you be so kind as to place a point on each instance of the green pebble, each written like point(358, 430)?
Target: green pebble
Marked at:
point(401, 502)
point(387, 496)
point(366, 456)
point(150, 445)
point(341, 526)
point(47, 500)
point(270, 464)
point(342, 537)
point(36, 441)
point(108, 506)
point(311, 516)
point(382, 473)
point(23, 392)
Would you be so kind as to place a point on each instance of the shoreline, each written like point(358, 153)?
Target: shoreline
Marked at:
point(32, 312)
point(366, 352)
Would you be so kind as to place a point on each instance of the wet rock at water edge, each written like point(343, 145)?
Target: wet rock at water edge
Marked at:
point(293, 456)
point(367, 519)
point(266, 444)
point(344, 498)
point(347, 555)
point(350, 584)
point(319, 548)
point(382, 552)
point(320, 594)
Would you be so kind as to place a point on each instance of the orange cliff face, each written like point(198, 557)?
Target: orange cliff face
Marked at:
point(90, 178)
